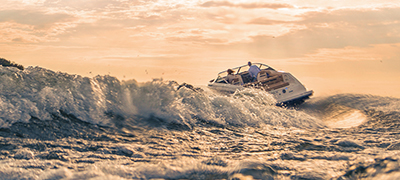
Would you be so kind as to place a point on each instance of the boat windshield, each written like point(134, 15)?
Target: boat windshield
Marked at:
point(240, 70)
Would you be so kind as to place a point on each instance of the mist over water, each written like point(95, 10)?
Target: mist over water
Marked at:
point(60, 126)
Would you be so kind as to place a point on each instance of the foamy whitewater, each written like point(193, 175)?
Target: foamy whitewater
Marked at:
point(55, 125)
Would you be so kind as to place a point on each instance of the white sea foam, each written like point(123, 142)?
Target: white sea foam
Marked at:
point(41, 93)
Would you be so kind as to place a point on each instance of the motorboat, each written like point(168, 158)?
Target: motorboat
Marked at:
point(284, 87)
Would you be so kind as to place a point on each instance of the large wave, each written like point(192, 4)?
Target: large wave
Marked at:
point(58, 125)
point(349, 110)
point(41, 93)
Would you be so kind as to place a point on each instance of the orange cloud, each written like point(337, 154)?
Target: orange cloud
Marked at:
point(245, 5)
point(198, 39)
point(266, 21)
point(37, 19)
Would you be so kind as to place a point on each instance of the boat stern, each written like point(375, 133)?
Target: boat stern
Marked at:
point(293, 94)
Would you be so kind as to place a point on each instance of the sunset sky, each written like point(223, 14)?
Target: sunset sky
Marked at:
point(332, 46)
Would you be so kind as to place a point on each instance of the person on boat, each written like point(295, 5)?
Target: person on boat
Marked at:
point(253, 71)
point(230, 76)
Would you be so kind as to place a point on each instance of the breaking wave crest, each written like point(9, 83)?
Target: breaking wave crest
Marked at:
point(41, 93)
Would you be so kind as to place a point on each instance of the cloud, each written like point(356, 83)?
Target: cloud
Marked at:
point(38, 19)
point(353, 27)
point(155, 26)
point(17, 33)
point(355, 16)
point(327, 29)
point(266, 21)
point(94, 4)
point(198, 39)
point(245, 5)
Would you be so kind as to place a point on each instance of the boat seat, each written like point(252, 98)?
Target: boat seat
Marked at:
point(237, 80)
point(266, 82)
point(275, 86)
point(264, 74)
point(246, 78)
point(272, 80)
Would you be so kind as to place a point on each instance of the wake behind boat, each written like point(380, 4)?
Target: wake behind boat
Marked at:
point(285, 88)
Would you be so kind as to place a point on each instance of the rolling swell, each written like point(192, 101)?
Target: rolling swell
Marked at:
point(379, 113)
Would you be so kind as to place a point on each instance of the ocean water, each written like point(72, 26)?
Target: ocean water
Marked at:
point(55, 125)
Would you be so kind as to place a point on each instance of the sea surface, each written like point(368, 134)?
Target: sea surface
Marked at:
point(56, 125)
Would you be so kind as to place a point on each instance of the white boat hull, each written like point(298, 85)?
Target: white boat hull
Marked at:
point(292, 94)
